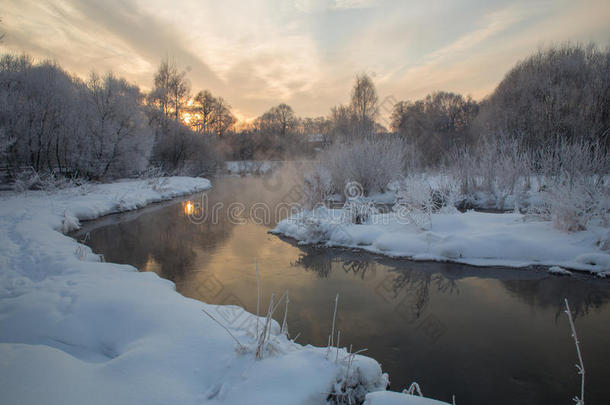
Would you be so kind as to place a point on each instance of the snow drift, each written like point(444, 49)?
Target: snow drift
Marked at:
point(476, 238)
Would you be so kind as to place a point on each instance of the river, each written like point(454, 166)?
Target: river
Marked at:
point(485, 335)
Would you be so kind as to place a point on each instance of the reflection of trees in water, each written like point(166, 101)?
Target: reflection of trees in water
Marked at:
point(417, 284)
point(583, 295)
point(405, 277)
point(417, 280)
point(358, 267)
point(319, 261)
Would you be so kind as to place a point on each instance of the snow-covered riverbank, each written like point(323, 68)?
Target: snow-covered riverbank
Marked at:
point(75, 330)
point(476, 238)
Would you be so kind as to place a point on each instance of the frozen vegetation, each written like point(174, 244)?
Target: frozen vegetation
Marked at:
point(75, 329)
point(552, 205)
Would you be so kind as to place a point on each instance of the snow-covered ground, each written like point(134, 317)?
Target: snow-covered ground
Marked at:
point(476, 238)
point(77, 330)
point(396, 398)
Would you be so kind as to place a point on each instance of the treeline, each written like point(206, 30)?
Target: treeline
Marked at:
point(102, 127)
point(105, 127)
point(51, 120)
point(558, 94)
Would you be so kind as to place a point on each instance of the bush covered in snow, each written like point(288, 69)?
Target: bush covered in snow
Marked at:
point(567, 180)
point(498, 167)
point(574, 184)
point(358, 210)
point(317, 186)
point(371, 162)
point(30, 179)
point(417, 200)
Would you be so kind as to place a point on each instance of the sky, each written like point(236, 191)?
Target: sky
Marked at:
point(306, 53)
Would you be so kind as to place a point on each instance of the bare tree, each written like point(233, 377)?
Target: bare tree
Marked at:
point(364, 105)
point(435, 124)
point(170, 94)
point(1, 34)
point(364, 98)
point(222, 118)
point(202, 110)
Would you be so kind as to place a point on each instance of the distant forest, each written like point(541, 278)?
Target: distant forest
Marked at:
point(106, 127)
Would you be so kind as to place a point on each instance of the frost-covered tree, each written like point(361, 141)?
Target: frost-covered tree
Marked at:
point(52, 121)
point(435, 124)
point(37, 102)
point(120, 139)
point(562, 91)
point(343, 122)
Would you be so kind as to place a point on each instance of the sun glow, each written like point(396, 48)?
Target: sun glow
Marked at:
point(189, 208)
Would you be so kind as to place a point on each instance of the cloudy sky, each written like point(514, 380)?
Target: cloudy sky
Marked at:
point(258, 53)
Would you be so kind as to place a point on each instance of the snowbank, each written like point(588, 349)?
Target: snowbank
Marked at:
point(476, 238)
point(397, 398)
point(76, 330)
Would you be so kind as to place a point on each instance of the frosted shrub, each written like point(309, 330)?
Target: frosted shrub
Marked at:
point(153, 172)
point(499, 167)
point(570, 161)
point(27, 180)
point(415, 202)
point(155, 177)
point(313, 229)
point(371, 162)
point(317, 187)
point(358, 210)
point(573, 206)
point(447, 194)
point(574, 185)
point(43, 180)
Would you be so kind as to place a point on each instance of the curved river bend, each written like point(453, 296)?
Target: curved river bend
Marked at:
point(485, 335)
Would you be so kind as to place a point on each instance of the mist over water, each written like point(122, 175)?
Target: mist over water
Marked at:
point(482, 334)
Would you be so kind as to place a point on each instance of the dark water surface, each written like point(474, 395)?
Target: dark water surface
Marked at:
point(487, 335)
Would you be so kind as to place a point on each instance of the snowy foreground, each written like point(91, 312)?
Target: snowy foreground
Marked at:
point(476, 238)
point(76, 330)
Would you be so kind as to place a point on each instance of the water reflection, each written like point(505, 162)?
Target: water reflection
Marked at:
point(189, 207)
point(584, 294)
point(484, 334)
